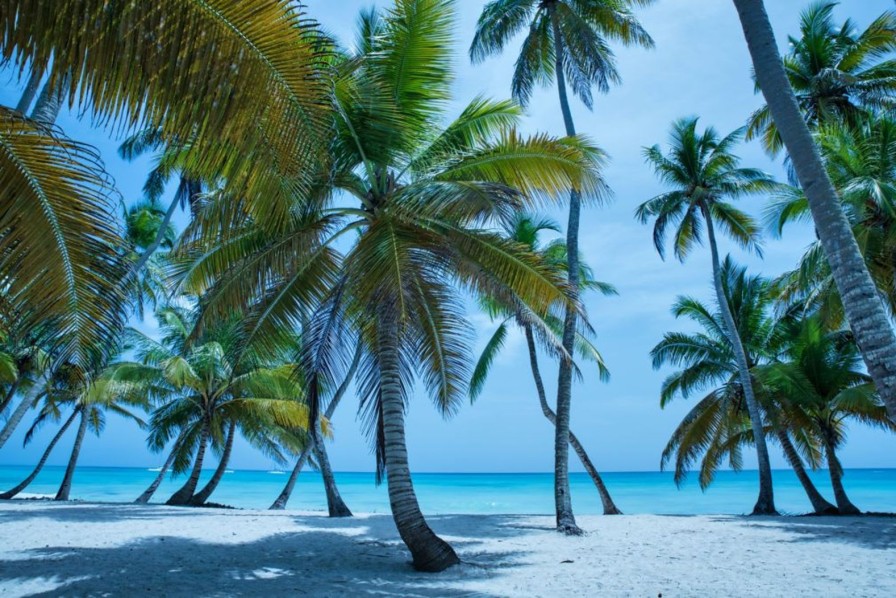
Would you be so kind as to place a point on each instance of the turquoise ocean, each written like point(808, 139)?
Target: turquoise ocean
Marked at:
point(479, 493)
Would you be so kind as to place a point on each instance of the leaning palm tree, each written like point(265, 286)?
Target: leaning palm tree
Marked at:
point(837, 73)
point(865, 313)
point(334, 503)
point(567, 40)
point(144, 66)
point(424, 200)
point(93, 397)
point(704, 175)
point(718, 426)
point(861, 162)
point(206, 391)
point(525, 229)
point(819, 380)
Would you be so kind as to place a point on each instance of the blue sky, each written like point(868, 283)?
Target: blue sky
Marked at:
point(699, 67)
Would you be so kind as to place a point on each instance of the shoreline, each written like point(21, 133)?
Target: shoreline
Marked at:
point(79, 548)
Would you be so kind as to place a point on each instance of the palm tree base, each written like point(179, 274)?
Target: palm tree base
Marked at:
point(436, 555)
point(570, 529)
point(763, 508)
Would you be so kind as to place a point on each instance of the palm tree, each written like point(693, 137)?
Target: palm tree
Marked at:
point(525, 229)
point(861, 162)
point(426, 197)
point(718, 426)
point(703, 174)
point(50, 410)
point(820, 381)
point(61, 246)
point(333, 499)
point(93, 398)
point(206, 391)
point(864, 311)
point(837, 74)
point(567, 39)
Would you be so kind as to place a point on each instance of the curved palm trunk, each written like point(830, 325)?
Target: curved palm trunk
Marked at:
point(429, 552)
point(765, 504)
point(49, 102)
point(844, 505)
point(200, 497)
point(65, 487)
point(27, 403)
point(29, 92)
point(9, 395)
point(147, 494)
point(335, 505)
point(280, 503)
point(861, 302)
point(185, 493)
point(43, 459)
point(566, 521)
point(160, 236)
point(283, 498)
point(819, 504)
point(606, 500)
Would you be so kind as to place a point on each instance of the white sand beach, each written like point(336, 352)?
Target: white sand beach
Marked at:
point(125, 550)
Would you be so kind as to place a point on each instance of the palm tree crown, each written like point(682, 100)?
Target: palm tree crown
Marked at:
point(583, 28)
point(703, 175)
point(837, 73)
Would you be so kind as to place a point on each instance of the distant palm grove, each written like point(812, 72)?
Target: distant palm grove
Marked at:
point(340, 215)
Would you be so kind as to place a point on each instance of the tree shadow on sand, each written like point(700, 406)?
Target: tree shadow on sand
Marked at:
point(866, 531)
point(360, 556)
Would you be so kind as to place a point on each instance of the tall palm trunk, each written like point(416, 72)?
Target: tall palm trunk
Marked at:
point(844, 505)
point(147, 494)
point(566, 521)
point(819, 504)
point(283, 498)
point(7, 398)
point(606, 500)
point(185, 493)
point(43, 459)
point(26, 403)
point(65, 487)
point(861, 302)
point(156, 242)
point(280, 502)
point(200, 497)
point(29, 92)
point(49, 102)
point(765, 504)
point(335, 505)
point(429, 552)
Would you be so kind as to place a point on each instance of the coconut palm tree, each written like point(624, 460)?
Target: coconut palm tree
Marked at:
point(51, 409)
point(838, 74)
point(704, 175)
point(567, 40)
point(139, 66)
point(861, 162)
point(423, 198)
point(718, 426)
point(206, 391)
point(821, 382)
point(525, 229)
point(336, 507)
point(864, 311)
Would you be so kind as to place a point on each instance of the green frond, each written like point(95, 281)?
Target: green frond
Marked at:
point(61, 251)
point(251, 91)
point(486, 359)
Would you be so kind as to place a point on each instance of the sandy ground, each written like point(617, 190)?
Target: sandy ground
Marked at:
point(126, 550)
